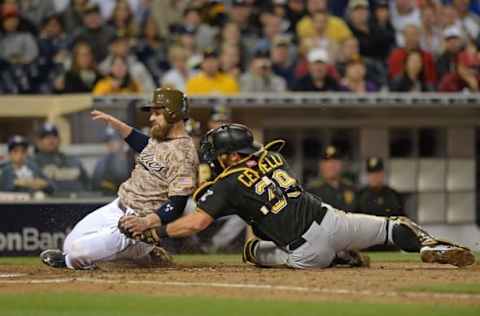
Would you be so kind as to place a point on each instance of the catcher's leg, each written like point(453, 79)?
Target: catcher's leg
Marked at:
point(264, 254)
point(409, 236)
point(96, 238)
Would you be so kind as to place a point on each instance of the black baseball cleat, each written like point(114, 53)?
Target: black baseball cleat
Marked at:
point(53, 258)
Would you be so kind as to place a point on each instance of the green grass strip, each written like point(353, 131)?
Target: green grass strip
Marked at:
point(135, 305)
point(466, 288)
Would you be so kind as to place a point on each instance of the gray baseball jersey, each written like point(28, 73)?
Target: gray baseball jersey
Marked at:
point(162, 169)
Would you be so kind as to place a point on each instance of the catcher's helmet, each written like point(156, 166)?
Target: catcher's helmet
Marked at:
point(228, 138)
point(174, 102)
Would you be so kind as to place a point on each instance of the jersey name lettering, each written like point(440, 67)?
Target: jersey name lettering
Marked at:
point(269, 163)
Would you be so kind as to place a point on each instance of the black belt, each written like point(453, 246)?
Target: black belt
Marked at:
point(121, 206)
point(296, 243)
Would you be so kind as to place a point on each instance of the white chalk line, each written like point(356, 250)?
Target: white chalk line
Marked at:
point(251, 286)
point(11, 275)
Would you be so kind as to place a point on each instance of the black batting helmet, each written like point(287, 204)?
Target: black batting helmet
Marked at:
point(228, 138)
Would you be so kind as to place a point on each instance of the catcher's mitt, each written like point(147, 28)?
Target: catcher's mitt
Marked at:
point(149, 236)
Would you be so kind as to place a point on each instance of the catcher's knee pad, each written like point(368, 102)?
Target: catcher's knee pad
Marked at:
point(405, 234)
point(249, 251)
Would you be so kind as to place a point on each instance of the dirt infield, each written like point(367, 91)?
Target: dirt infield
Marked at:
point(383, 282)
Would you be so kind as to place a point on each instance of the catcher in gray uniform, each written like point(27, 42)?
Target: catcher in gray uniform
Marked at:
point(294, 227)
point(161, 182)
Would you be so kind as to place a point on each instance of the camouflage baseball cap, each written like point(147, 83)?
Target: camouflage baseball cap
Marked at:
point(173, 101)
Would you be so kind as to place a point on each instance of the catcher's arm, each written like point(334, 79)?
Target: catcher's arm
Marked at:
point(188, 225)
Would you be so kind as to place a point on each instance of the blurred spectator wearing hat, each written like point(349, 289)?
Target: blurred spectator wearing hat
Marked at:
point(377, 198)
point(114, 168)
point(350, 51)
point(121, 47)
point(241, 12)
point(178, 75)
point(453, 43)
point(20, 174)
point(210, 80)
point(82, 75)
point(271, 28)
point(65, 172)
point(369, 36)
point(260, 78)
point(119, 81)
point(398, 57)
point(330, 186)
point(467, 73)
point(16, 46)
point(318, 77)
point(412, 79)
point(283, 64)
point(336, 29)
point(95, 31)
point(354, 79)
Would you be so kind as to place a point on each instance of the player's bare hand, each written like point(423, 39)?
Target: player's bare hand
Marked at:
point(135, 225)
point(102, 116)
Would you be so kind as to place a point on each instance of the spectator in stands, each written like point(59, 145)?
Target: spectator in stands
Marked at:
point(397, 59)
point(151, 50)
point(431, 38)
point(368, 35)
point(36, 10)
point(260, 77)
point(73, 15)
point(114, 168)
point(382, 27)
point(336, 29)
point(295, 10)
point(210, 80)
point(231, 36)
point(219, 115)
point(271, 27)
point(122, 19)
point(404, 13)
point(16, 47)
point(282, 64)
point(354, 80)
point(204, 34)
point(65, 172)
point(449, 17)
point(82, 75)
point(178, 75)
point(470, 21)
point(230, 60)
point(120, 47)
point(20, 174)
point(467, 74)
point(453, 44)
point(321, 39)
point(119, 80)
point(412, 79)
point(318, 78)
point(167, 13)
point(375, 71)
point(240, 12)
point(95, 32)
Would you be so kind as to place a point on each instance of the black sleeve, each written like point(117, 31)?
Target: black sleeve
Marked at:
point(137, 140)
point(172, 209)
point(215, 200)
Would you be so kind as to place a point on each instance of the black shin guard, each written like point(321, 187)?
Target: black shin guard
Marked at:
point(405, 237)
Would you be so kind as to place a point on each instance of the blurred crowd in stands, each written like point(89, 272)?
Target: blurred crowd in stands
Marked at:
point(227, 47)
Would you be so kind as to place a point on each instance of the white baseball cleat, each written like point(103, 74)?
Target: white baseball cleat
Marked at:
point(447, 254)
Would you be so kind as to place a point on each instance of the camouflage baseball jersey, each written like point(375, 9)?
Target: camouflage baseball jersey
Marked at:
point(162, 169)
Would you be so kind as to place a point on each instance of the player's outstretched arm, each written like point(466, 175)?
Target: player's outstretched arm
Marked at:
point(121, 127)
point(188, 225)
